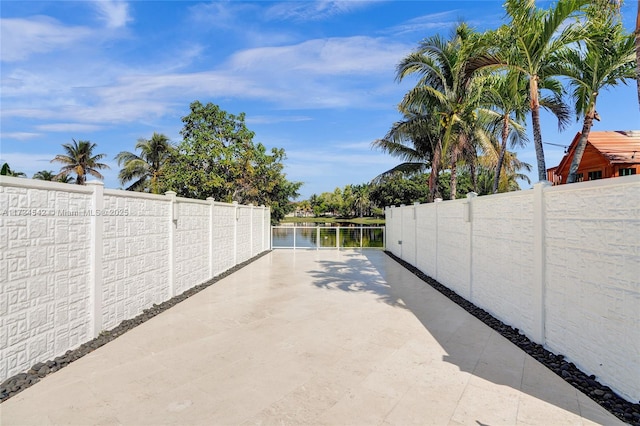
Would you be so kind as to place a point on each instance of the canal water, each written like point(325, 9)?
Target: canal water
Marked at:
point(288, 236)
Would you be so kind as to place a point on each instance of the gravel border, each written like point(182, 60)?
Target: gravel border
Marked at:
point(19, 382)
point(603, 395)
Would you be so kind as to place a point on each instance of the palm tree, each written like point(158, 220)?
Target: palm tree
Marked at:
point(6, 171)
point(146, 168)
point(413, 140)
point(79, 159)
point(45, 175)
point(446, 93)
point(532, 37)
point(361, 202)
point(505, 101)
point(65, 179)
point(605, 60)
point(510, 171)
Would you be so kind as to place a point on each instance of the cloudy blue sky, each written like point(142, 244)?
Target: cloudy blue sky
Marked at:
point(313, 77)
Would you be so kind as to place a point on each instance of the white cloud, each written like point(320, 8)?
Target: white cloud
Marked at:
point(23, 37)
point(336, 72)
point(313, 10)
point(349, 55)
point(68, 127)
point(114, 13)
point(20, 136)
point(427, 23)
point(271, 119)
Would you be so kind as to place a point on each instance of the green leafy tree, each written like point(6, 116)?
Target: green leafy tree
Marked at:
point(218, 158)
point(145, 169)
point(396, 189)
point(79, 159)
point(6, 171)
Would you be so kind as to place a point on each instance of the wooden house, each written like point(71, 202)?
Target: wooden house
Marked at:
point(608, 154)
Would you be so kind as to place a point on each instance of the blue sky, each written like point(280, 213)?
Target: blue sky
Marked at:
point(316, 78)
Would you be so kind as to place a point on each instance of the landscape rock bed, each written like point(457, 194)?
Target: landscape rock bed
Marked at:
point(16, 384)
point(603, 395)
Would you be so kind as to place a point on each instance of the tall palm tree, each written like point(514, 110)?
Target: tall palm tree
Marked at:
point(533, 36)
point(603, 61)
point(506, 102)
point(445, 92)
point(145, 169)
point(79, 159)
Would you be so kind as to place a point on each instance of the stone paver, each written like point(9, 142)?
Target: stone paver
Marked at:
point(308, 337)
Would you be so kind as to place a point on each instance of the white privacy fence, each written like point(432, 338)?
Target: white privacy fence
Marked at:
point(560, 263)
point(76, 260)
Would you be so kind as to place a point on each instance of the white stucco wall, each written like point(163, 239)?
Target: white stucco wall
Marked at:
point(562, 264)
point(76, 260)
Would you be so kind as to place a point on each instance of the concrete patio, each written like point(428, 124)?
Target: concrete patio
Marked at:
point(308, 337)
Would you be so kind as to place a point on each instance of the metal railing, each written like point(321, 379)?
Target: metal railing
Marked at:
point(327, 237)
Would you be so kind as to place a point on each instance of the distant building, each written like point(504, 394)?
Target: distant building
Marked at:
point(608, 154)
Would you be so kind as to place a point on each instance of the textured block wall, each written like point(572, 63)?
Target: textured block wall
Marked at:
point(562, 264)
point(135, 259)
point(426, 233)
point(408, 234)
point(453, 247)
point(224, 237)
point(191, 244)
point(593, 278)
point(257, 231)
point(44, 273)
point(76, 260)
point(243, 241)
point(502, 270)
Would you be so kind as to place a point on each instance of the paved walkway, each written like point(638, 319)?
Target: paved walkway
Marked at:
point(306, 337)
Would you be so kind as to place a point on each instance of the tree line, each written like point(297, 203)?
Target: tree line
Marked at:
point(393, 189)
point(216, 158)
point(474, 90)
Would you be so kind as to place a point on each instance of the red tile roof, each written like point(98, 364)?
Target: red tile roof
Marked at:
point(617, 146)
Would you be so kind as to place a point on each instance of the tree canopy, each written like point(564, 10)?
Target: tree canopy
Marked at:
point(218, 158)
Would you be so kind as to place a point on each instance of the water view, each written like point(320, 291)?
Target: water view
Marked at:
point(327, 236)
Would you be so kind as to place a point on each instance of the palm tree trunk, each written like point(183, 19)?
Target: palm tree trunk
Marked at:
point(537, 132)
point(503, 149)
point(582, 144)
point(433, 177)
point(474, 175)
point(454, 175)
